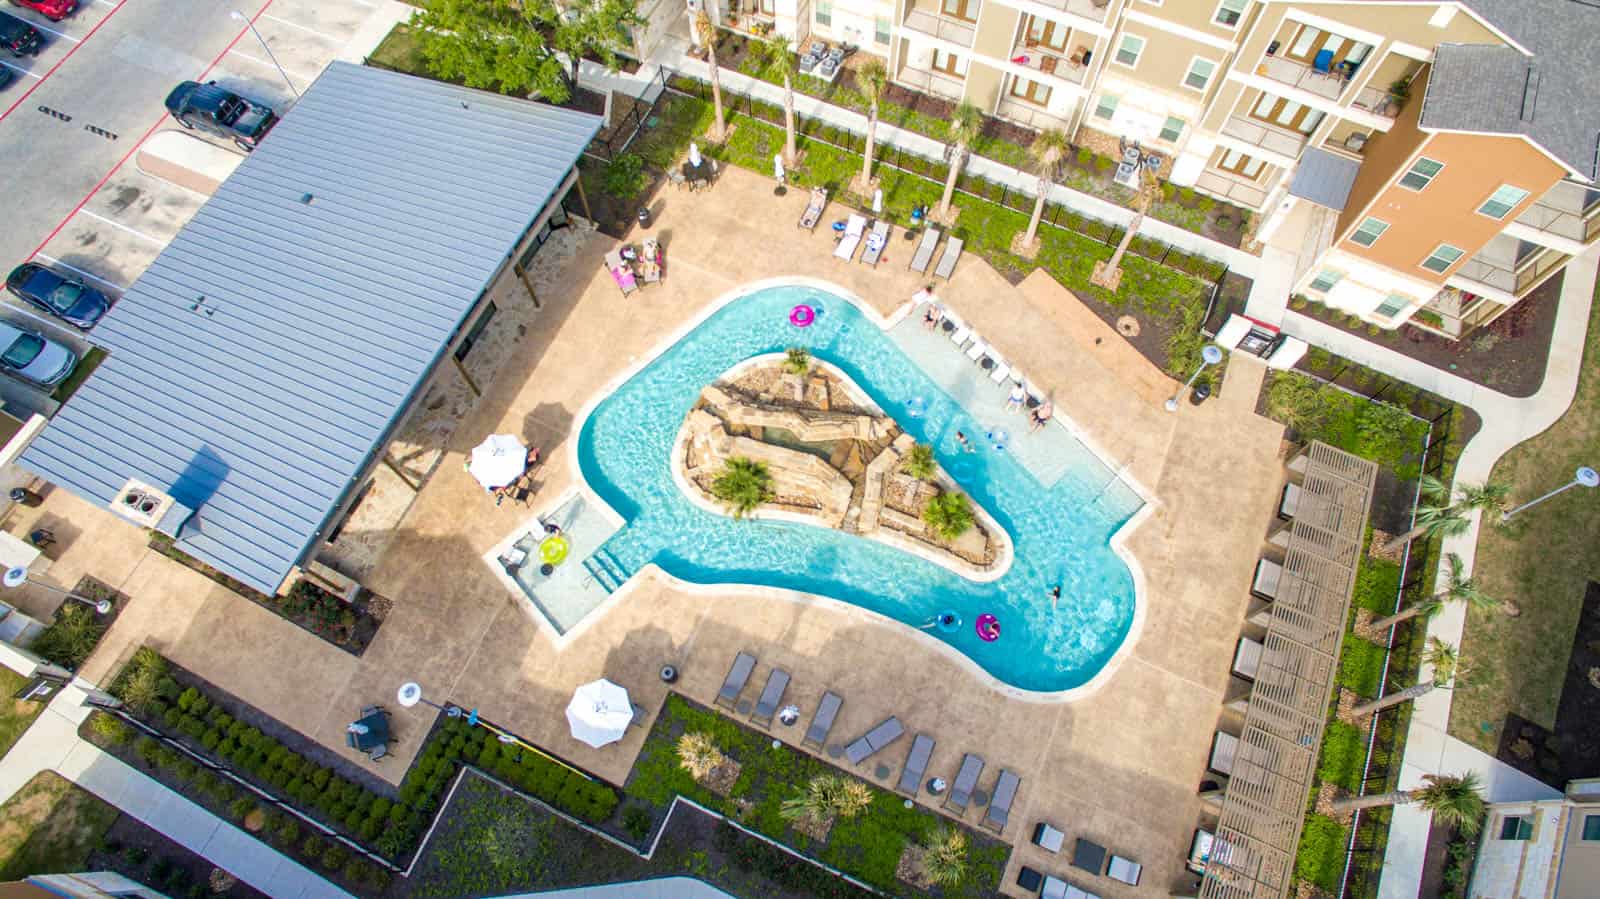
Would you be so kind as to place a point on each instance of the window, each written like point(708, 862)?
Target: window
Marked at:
point(1032, 91)
point(1128, 50)
point(1200, 72)
point(1504, 200)
point(1392, 304)
point(1173, 129)
point(1047, 33)
point(1229, 12)
point(949, 63)
point(1420, 173)
point(768, 8)
point(880, 30)
point(1107, 107)
point(1515, 827)
point(1441, 259)
point(825, 13)
point(961, 9)
point(1591, 828)
point(1371, 229)
point(1240, 164)
point(1325, 280)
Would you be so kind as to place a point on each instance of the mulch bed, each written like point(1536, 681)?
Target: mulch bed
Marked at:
point(134, 850)
point(1572, 750)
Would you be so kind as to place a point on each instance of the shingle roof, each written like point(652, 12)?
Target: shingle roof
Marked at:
point(1324, 178)
point(321, 320)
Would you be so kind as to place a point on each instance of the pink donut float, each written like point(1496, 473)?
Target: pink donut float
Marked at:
point(988, 627)
point(801, 316)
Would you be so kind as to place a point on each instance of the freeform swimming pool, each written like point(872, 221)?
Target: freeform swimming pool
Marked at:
point(1061, 532)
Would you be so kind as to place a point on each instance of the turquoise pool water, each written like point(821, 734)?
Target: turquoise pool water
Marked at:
point(1061, 531)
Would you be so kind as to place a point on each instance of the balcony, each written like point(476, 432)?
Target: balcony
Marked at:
point(1506, 269)
point(749, 22)
point(1328, 85)
point(935, 84)
point(1235, 190)
point(944, 28)
point(1378, 102)
point(1454, 312)
point(1050, 62)
point(1029, 115)
point(1093, 10)
point(1567, 210)
point(1260, 134)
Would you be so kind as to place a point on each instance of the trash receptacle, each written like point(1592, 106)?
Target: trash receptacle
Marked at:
point(644, 217)
point(1199, 394)
point(25, 496)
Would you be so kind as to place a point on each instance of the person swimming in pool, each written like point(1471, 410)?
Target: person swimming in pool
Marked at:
point(1055, 595)
point(966, 445)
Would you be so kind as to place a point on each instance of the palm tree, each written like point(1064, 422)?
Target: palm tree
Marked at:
point(1048, 149)
point(872, 78)
point(1446, 666)
point(796, 361)
point(948, 514)
point(743, 485)
point(944, 859)
point(1108, 274)
point(827, 796)
point(707, 32)
point(919, 462)
point(1443, 518)
point(966, 123)
point(1456, 801)
point(776, 61)
point(698, 754)
point(1457, 589)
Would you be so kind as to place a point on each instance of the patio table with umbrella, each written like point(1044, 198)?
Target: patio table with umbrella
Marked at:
point(697, 170)
point(599, 713)
point(497, 461)
point(369, 733)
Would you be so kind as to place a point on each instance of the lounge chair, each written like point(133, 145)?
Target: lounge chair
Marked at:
point(1265, 585)
point(1001, 372)
point(1125, 870)
point(916, 766)
point(961, 333)
point(1247, 659)
point(976, 351)
point(771, 695)
point(874, 740)
point(999, 810)
point(1290, 503)
point(924, 253)
point(1224, 746)
point(822, 721)
point(625, 280)
point(853, 229)
point(813, 213)
point(738, 676)
point(966, 781)
point(947, 262)
point(876, 241)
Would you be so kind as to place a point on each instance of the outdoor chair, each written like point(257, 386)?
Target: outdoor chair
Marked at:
point(738, 676)
point(771, 695)
point(947, 262)
point(1247, 659)
point(379, 752)
point(966, 781)
point(677, 179)
point(1322, 63)
point(916, 766)
point(1290, 503)
point(1224, 746)
point(813, 213)
point(874, 740)
point(960, 333)
point(639, 714)
point(924, 252)
point(999, 810)
point(876, 241)
point(853, 229)
point(1265, 584)
point(822, 721)
point(976, 351)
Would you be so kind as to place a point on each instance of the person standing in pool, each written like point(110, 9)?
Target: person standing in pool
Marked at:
point(1038, 417)
point(1018, 396)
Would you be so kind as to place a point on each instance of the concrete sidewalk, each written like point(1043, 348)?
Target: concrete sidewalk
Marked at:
point(52, 744)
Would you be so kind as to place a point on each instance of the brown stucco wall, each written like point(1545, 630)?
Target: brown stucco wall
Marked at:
point(1384, 154)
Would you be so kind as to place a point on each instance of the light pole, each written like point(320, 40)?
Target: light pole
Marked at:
point(17, 576)
point(411, 693)
point(239, 16)
point(1210, 354)
point(1583, 477)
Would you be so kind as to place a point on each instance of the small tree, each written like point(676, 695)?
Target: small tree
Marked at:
point(825, 797)
point(1456, 801)
point(775, 60)
point(1457, 589)
point(624, 176)
point(949, 514)
point(966, 123)
point(511, 45)
point(919, 462)
point(1048, 149)
point(707, 32)
point(743, 484)
point(1444, 518)
point(698, 754)
point(944, 858)
point(796, 361)
point(1446, 667)
point(873, 79)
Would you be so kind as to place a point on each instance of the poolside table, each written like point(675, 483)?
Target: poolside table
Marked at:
point(377, 732)
point(1089, 856)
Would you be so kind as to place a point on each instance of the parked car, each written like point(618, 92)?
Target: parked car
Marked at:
point(6, 74)
point(221, 112)
point(34, 356)
point(62, 296)
point(18, 36)
point(54, 10)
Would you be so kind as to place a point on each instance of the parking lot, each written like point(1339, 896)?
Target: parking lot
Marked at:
point(77, 113)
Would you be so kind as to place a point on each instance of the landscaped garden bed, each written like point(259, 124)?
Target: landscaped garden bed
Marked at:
point(77, 627)
point(351, 626)
point(773, 793)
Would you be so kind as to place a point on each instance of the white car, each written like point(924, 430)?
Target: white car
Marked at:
point(34, 356)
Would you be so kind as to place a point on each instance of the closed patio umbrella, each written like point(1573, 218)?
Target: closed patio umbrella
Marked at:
point(498, 461)
point(694, 154)
point(599, 713)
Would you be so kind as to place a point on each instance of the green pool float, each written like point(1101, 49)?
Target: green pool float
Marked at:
point(553, 549)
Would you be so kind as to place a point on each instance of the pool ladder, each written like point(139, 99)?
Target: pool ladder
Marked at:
point(606, 570)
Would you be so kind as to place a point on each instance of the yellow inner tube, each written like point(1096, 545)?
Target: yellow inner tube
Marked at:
point(553, 549)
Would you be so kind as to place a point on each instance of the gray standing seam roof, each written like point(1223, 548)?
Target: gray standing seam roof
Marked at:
point(1324, 178)
point(320, 320)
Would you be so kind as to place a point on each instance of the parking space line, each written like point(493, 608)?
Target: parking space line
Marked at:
point(327, 37)
point(121, 227)
point(20, 70)
point(65, 37)
point(268, 63)
point(78, 271)
point(12, 108)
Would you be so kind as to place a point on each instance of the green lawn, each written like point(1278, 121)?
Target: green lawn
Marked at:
point(1321, 856)
point(49, 827)
point(86, 366)
point(1543, 562)
point(16, 715)
point(1384, 433)
point(399, 50)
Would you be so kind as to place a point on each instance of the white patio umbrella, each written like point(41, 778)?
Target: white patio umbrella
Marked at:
point(694, 154)
point(599, 713)
point(777, 167)
point(498, 460)
point(877, 202)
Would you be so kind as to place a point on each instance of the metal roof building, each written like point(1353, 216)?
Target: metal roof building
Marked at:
point(262, 361)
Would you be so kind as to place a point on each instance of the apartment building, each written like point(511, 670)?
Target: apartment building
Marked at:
point(1548, 848)
point(1428, 161)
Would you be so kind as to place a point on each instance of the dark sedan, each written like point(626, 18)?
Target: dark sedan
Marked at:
point(219, 111)
point(64, 297)
point(19, 37)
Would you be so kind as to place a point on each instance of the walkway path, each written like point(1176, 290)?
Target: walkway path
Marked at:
point(662, 888)
point(52, 744)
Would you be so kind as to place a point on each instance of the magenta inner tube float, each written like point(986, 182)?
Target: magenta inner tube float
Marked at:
point(988, 627)
point(801, 316)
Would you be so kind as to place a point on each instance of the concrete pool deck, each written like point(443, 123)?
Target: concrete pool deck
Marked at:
point(1120, 766)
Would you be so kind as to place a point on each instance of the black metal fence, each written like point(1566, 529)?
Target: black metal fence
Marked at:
point(614, 139)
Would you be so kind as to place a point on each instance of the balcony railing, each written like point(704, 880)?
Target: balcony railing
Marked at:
point(1025, 113)
point(1328, 85)
point(1049, 62)
point(1260, 134)
point(944, 28)
point(1377, 102)
point(935, 83)
point(1093, 10)
point(1220, 184)
point(1562, 211)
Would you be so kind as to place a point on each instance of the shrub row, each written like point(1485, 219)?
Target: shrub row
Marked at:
point(457, 742)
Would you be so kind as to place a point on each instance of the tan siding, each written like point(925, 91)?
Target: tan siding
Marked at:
point(1384, 154)
point(983, 86)
point(1580, 862)
point(1222, 106)
point(1407, 23)
point(1197, 14)
point(997, 31)
point(1165, 61)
